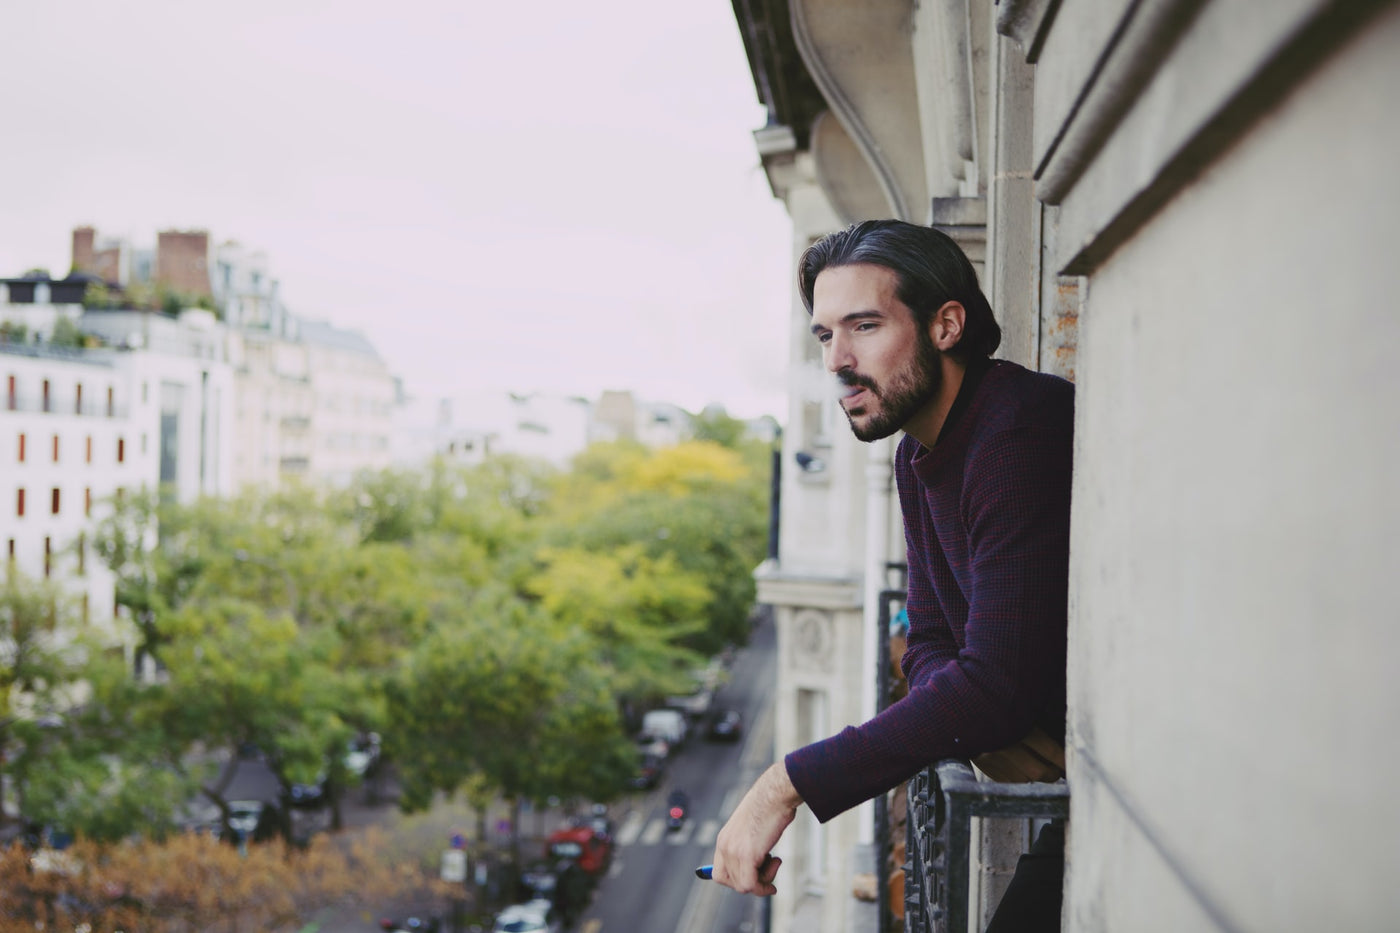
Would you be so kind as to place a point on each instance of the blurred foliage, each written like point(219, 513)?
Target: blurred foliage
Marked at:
point(490, 622)
point(193, 882)
point(144, 296)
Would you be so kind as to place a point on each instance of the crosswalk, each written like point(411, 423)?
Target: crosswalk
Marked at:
point(637, 829)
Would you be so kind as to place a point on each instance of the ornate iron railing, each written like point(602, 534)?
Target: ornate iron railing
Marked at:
point(942, 801)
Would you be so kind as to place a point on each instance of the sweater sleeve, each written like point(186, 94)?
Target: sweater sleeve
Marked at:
point(1011, 665)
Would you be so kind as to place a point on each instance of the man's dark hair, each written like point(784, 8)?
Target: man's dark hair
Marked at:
point(931, 270)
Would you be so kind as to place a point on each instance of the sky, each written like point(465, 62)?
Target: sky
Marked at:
point(553, 197)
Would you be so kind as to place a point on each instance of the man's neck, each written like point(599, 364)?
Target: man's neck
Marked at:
point(926, 424)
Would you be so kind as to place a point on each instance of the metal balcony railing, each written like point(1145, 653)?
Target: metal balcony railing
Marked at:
point(943, 800)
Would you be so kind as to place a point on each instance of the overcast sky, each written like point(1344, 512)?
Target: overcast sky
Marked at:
point(546, 196)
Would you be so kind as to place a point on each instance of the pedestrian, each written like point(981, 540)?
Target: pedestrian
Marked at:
point(983, 473)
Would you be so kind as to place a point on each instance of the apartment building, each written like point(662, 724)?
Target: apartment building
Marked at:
point(72, 437)
point(1186, 208)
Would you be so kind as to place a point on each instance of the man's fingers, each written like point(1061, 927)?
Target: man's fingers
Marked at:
point(763, 876)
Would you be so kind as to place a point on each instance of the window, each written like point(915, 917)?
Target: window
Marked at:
point(12, 396)
point(46, 395)
point(55, 448)
point(86, 616)
point(87, 502)
point(19, 504)
point(89, 448)
point(111, 402)
point(55, 500)
point(78, 400)
point(121, 450)
point(48, 555)
point(12, 550)
point(21, 447)
point(82, 553)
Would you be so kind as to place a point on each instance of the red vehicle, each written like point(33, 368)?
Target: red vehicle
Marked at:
point(591, 850)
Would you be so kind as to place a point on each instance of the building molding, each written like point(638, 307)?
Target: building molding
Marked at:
point(1142, 40)
point(1153, 147)
point(846, 111)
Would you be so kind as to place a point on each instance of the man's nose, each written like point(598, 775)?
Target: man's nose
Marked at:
point(836, 354)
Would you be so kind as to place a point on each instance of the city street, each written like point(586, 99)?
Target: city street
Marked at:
point(651, 886)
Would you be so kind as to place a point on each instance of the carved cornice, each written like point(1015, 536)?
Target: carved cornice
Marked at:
point(845, 111)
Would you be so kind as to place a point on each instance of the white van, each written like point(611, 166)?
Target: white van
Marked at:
point(666, 724)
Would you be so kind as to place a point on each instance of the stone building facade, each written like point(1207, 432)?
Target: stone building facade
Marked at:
point(1187, 207)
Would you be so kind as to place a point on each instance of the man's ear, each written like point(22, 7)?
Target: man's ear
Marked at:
point(945, 328)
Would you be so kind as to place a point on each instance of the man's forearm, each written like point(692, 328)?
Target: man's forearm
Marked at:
point(744, 848)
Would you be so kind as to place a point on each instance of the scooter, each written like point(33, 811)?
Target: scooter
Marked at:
point(677, 805)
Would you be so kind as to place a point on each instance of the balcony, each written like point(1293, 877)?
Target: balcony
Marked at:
point(940, 803)
point(59, 405)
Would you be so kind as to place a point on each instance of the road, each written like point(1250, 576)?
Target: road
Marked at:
point(652, 887)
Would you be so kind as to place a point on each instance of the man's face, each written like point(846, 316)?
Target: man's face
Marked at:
point(870, 340)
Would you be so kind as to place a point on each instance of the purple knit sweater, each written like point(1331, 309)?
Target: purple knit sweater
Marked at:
point(986, 518)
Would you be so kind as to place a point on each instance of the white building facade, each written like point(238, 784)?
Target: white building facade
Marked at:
point(73, 436)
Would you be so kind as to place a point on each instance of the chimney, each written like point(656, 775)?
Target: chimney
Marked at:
point(182, 261)
point(83, 238)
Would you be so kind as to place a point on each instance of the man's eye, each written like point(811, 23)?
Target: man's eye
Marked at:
point(864, 326)
point(823, 338)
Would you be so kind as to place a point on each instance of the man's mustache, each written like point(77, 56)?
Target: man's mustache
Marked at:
point(849, 378)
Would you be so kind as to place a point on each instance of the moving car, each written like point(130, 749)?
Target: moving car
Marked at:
point(726, 725)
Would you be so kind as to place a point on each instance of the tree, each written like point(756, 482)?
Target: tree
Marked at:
point(34, 672)
point(492, 695)
point(701, 504)
point(638, 610)
point(66, 334)
point(717, 426)
point(69, 750)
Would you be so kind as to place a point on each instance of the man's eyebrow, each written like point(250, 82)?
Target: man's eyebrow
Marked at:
point(870, 314)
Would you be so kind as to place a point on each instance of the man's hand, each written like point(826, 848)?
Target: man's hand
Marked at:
point(743, 859)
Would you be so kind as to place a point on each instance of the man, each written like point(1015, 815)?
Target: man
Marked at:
point(983, 473)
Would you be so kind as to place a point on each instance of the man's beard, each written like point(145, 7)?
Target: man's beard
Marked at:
point(906, 392)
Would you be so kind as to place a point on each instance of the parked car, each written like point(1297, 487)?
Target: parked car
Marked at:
point(669, 725)
point(530, 917)
point(650, 770)
point(243, 818)
point(726, 725)
point(591, 850)
point(410, 925)
point(362, 754)
point(538, 882)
